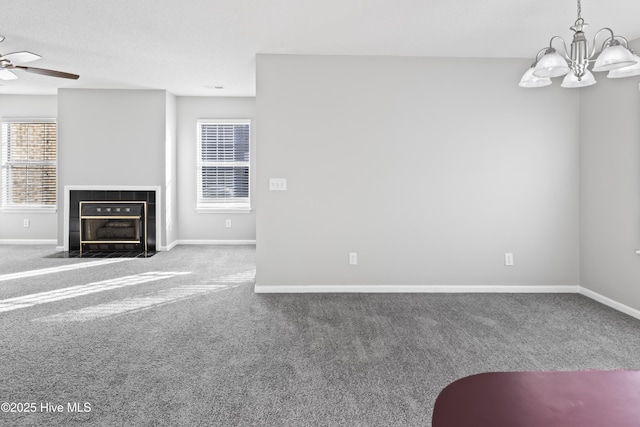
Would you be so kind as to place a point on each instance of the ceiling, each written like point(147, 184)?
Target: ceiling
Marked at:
point(191, 47)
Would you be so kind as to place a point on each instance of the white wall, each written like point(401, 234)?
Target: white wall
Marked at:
point(610, 189)
point(210, 227)
point(42, 226)
point(430, 169)
point(112, 137)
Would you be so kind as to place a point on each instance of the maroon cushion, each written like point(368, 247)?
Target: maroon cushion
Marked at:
point(541, 399)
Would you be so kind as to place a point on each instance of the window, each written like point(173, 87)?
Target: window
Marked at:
point(29, 164)
point(223, 164)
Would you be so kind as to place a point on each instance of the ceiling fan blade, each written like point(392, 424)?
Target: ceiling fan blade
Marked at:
point(46, 72)
point(7, 75)
point(20, 57)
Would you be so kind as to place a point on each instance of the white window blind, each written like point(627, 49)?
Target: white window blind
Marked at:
point(223, 164)
point(29, 164)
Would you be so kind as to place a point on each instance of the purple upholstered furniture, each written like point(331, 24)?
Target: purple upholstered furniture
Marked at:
point(541, 399)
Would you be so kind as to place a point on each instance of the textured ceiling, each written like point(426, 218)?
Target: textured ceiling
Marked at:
point(185, 47)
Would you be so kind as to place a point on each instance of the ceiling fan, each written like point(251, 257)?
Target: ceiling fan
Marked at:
point(7, 64)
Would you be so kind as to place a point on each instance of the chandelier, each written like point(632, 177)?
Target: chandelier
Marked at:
point(615, 56)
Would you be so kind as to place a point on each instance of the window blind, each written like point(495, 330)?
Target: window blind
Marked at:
point(29, 164)
point(223, 163)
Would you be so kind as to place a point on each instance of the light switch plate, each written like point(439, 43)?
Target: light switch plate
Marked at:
point(278, 184)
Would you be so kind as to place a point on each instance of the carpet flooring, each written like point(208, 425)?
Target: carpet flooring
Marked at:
point(181, 339)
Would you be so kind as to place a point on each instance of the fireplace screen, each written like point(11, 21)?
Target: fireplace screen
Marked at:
point(113, 225)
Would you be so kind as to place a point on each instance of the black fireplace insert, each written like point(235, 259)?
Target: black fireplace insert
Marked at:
point(113, 225)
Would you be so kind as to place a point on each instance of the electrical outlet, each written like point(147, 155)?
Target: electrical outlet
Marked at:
point(353, 258)
point(228, 223)
point(508, 259)
point(26, 223)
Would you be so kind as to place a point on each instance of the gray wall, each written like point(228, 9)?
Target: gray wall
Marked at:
point(154, 127)
point(210, 227)
point(171, 171)
point(610, 189)
point(430, 169)
point(42, 226)
point(112, 137)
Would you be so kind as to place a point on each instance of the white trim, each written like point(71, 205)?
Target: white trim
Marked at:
point(28, 241)
point(28, 208)
point(413, 289)
point(69, 188)
point(215, 242)
point(159, 247)
point(222, 210)
point(609, 302)
point(37, 211)
point(28, 119)
point(168, 247)
point(232, 205)
point(448, 289)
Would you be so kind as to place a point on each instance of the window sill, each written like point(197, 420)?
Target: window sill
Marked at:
point(219, 210)
point(8, 210)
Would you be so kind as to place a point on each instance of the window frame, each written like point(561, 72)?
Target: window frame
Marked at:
point(30, 207)
point(210, 205)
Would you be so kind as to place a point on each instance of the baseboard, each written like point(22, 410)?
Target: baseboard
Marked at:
point(28, 242)
point(160, 248)
point(216, 242)
point(168, 247)
point(268, 289)
point(609, 302)
point(204, 242)
point(412, 289)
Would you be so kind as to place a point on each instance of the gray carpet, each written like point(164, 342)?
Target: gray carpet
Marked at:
point(229, 357)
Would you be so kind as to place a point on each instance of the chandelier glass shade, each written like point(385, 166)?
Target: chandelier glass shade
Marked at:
point(572, 81)
point(551, 65)
point(630, 71)
point(614, 56)
point(529, 80)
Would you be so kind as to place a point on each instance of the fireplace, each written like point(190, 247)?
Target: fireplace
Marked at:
point(113, 225)
point(112, 220)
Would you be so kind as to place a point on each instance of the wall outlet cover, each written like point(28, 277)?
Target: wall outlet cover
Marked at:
point(353, 258)
point(508, 259)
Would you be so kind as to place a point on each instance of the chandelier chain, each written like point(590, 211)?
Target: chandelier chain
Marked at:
point(579, 9)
